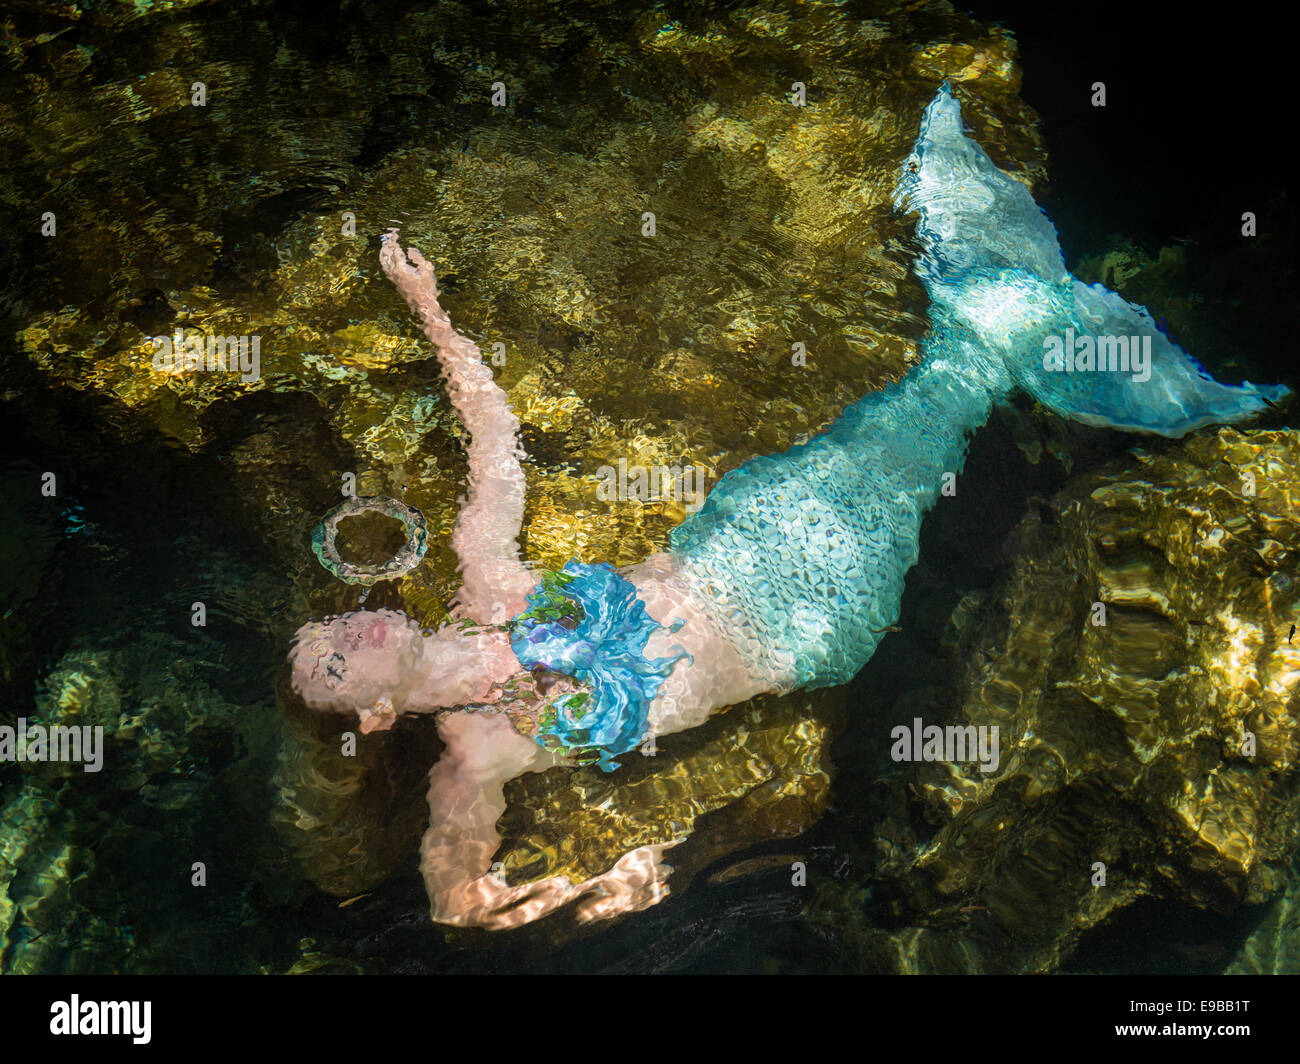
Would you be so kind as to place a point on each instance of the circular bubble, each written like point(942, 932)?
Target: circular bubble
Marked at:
point(406, 559)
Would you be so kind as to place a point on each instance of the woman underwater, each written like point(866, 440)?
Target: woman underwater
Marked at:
point(787, 576)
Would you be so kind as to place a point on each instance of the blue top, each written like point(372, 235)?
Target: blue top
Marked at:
point(605, 649)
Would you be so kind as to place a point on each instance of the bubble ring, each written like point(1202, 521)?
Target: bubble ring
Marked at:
point(406, 559)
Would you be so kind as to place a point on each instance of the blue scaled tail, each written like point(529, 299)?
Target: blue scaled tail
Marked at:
point(991, 262)
point(800, 558)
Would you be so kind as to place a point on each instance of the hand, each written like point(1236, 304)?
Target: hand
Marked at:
point(638, 881)
point(488, 902)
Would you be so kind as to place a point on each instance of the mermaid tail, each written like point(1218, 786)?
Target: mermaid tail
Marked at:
point(800, 558)
point(991, 261)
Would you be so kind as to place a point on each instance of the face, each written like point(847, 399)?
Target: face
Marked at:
point(355, 661)
point(380, 663)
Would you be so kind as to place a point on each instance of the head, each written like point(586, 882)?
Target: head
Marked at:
point(380, 663)
point(354, 662)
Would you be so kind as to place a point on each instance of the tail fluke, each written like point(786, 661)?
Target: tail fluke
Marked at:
point(1126, 374)
point(991, 262)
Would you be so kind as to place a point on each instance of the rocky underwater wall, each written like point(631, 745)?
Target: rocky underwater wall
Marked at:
point(641, 237)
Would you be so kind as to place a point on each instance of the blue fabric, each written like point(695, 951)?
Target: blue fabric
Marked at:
point(605, 650)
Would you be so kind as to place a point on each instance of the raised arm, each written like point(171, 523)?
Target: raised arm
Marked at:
point(486, 536)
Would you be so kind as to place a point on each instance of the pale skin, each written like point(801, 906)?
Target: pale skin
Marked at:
point(380, 665)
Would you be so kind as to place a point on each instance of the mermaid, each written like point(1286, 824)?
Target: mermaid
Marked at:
point(784, 579)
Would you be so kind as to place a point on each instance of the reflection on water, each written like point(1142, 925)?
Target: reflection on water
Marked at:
point(257, 214)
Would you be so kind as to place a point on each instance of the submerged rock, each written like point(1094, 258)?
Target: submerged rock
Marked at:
point(756, 773)
point(772, 225)
point(1141, 664)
